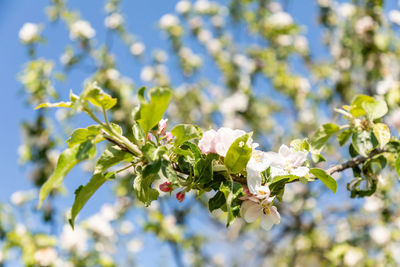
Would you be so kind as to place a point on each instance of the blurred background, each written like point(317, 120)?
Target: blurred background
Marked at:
point(278, 68)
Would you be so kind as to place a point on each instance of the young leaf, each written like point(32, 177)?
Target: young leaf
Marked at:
point(110, 157)
point(397, 165)
point(363, 142)
point(67, 160)
point(344, 136)
point(217, 201)
point(150, 113)
point(99, 98)
point(322, 135)
point(238, 154)
point(356, 108)
point(55, 105)
point(81, 135)
point(84, 193)
point(203, 169)
point(325, 178)
point(382, 133)
point(185, 132)
point(143, 181)
point(232, 192)
point(375, 109)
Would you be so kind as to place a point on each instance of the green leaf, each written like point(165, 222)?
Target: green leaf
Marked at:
point(81, 135)
point(55, 105)
point(232, 192)
point(67, 160)
point(325, 178)
point(142, 183)
point(84, 193)
point(382, 134)
point(397, 165)
point(322, 135)
point(300, 144)
point(375, 109)
point(238, 154)
point(110, 157)
point(138, 133)
point(203, 169)
point(217, 201)
point(185, 132)
point(364, 142)
point(344, 136)
point(356, 108)
point(98, 97)
point(150, 113)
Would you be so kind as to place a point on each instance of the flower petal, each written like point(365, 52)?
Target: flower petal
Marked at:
point(266, 222)
point(284, 151)
point(300, 171)
point(275, 216)
point(251, 211)
point(277, 172)
point(253, 180)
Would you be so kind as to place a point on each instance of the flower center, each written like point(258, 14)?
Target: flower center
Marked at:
point(266, 210)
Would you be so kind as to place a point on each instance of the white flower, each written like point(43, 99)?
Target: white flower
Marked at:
point(114, 21)
point(206, 143)
point(364, 25)
point(112, 74)
point(237, 102)
point(137, 48)
point(45, 256)
point(126, 227)
point(347, 10)
point(301, 44)
point(81, 29)
point(214, 46)
point(224, 139)
point(135, 245)
point(269, 215)
point(279, 19)
point(74, 239)
point(380, 235)
point(287, 161)
point(394, 119)
point(100, 225)
point(353, 256)
point(183, 7)
point(18, 198)
point(29, 32)
point(382, 87)
point(257, 164)
point(202, 6)
point(147, 74)
point(168, 21)
point(373, 204)
point(394, 16)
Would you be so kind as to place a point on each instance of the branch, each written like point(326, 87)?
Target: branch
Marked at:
point(353, 162)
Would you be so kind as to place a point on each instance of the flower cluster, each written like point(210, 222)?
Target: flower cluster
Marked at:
point(257, 202)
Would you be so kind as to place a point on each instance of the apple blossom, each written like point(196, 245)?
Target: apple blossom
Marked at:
point(251, 211)
point(45, 256)
point(162, 126)
point(257, 164)
point(166, 187)
point(168, 136)
point(183, 6)
point(168, 21)
point(287, 161)
point(279, 19)
point(137, 48)
point(180, 196)
point(113, 21)
point(29, 32)
point(81, 29)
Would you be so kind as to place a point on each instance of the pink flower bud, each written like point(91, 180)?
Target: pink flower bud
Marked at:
point(166, 187)
point(180, 196)
point(169, 136)
point(149, 137)
point(162, 126)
